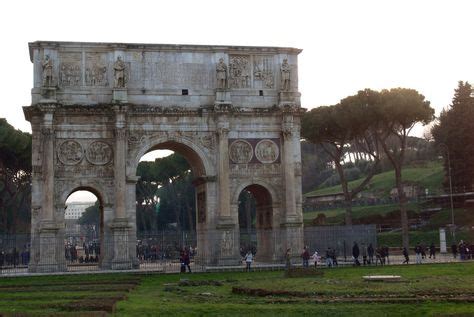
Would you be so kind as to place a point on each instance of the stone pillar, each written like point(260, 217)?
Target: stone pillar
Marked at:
point(48, 228)
point(226, 236)
point(292, 225)
point(223, 172)
point(289, 174)
point(120, 226)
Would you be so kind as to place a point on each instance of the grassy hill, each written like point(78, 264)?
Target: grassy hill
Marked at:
point(428, 176)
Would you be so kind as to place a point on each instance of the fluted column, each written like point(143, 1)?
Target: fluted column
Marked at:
point(223, 171)
point(48, 172)
point(289, 169)
point(119, 161)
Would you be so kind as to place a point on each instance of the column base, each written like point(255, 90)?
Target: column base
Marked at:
point(121, 255)
point(50, 249)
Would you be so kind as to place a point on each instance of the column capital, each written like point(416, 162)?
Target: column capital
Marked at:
point(120, 133)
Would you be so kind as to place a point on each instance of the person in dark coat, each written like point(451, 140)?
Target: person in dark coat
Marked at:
point(370, 252)
point(432, 250)
point(355, 254)
point(405, 254)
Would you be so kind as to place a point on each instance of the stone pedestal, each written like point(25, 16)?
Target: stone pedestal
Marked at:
point(292, 237)
point(120, 95)
point(223, 96)
point(50, 249)
point(288, 98)
point(227, 244)
point(120, 229)
point(48, 95)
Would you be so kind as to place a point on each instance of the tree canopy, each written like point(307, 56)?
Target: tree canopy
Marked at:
point(454, 137)
point(15, 179)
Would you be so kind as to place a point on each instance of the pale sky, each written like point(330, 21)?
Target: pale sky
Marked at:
point(347, 45)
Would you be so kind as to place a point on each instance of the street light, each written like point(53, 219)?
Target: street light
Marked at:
point(450, 189)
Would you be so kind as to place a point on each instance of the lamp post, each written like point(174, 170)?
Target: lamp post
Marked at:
point(450, 191)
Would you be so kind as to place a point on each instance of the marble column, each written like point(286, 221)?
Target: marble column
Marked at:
point(289, 174)
point(48, 228)
point(120, 226)
point(223, 173)
point(292, 225)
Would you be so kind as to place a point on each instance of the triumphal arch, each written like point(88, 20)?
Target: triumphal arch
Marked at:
point(233, 112)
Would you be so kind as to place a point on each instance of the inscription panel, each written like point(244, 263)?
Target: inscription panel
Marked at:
point(181, 75)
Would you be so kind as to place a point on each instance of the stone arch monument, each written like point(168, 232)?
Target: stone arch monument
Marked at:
point(232, 112)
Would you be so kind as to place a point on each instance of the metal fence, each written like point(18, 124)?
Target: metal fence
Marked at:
point(167, 251)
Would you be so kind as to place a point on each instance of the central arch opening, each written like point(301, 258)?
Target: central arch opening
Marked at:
point(167, 192)
point(256, 222)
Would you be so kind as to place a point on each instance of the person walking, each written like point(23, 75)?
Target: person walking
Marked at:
point(187, 260)
point(432, 250)
point(405, 254)
point(355, 254)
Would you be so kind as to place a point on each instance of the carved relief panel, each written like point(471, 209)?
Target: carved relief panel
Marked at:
point(96, 70)
point(263, 72)
point(84, 158)
point(70, 71)
point(260, 151)
point(239, 71)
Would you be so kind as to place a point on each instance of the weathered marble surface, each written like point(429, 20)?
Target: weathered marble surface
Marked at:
point(95, 115)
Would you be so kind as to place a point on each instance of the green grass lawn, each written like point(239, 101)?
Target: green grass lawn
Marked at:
point(429, 176)
point(339, 292)
point(425, 290)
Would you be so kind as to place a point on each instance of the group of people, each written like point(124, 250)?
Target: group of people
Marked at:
point(13, 257)
point(465, 250)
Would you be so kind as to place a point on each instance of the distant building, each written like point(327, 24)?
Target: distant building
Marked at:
point(76, 209)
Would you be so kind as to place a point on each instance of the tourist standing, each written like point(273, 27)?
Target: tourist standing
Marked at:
point(305, 257)
point(288, 259)
point(418, 251)
point(316, 258)
point(329, 262)
point(364, 254)
point(432, 251)
point(370, 252)
point(248, 261)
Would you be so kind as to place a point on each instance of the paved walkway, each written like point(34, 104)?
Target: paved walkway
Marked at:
point(174, 266)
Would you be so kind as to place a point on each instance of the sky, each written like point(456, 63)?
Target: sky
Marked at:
point(347, 45)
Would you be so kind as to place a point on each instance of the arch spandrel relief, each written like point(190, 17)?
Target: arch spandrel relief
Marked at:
point(70, 152)
point(240, 151)
point(99, 153)
point(267, 151)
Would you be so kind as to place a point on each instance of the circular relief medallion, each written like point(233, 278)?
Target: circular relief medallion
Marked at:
point(267, 151)
point(70, 152)
point(240, 151)
point(99, 153)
